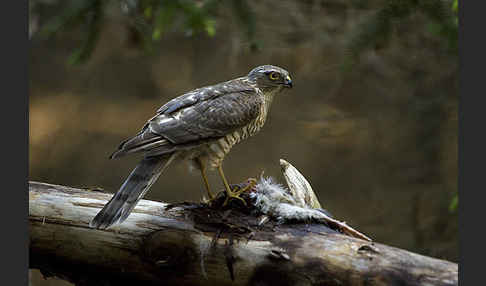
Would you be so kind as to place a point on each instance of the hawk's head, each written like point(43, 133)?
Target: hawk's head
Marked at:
point(269, 76)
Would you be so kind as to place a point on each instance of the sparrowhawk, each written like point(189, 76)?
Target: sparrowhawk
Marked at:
point(200, 127)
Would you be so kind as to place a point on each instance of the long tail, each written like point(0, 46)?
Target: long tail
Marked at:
point(133, 189)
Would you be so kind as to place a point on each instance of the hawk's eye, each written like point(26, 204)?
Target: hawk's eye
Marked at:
point(274, 75)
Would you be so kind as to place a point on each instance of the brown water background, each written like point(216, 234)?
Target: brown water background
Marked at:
point(378, 143)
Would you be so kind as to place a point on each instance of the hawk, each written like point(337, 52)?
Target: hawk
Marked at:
point(201, 127)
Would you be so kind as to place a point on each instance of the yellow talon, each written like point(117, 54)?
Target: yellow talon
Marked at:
point(234, 193)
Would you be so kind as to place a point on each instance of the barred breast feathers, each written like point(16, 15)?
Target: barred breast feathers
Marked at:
point(218, 150)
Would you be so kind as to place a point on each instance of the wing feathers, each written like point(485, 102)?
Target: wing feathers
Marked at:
point(198, 116)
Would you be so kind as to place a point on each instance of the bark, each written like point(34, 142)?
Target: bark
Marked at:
point(194, 244)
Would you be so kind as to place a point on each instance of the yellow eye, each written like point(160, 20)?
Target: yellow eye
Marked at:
point(274, 75)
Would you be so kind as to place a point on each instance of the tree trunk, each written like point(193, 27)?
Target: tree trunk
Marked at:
point(194, 244)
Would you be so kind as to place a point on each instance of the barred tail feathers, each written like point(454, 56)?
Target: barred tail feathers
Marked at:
point(133, 189)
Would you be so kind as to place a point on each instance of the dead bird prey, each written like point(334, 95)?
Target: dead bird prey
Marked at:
point(283, 205)
point(200, 126)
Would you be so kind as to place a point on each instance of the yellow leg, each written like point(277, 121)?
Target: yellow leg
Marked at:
point(229, 192)
point(202, 167)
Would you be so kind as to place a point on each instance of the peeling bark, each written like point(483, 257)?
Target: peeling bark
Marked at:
point(194, 244)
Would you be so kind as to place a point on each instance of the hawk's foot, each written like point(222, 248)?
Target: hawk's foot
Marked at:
point(233, 195)
point(237, 191)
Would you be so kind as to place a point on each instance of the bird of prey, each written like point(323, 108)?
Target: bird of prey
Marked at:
point(200, 127)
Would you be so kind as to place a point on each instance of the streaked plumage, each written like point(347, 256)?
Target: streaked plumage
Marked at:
point(200, 126)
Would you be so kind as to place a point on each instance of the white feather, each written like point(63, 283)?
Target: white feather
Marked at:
point(274, 200)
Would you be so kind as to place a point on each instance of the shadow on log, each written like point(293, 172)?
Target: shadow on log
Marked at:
point(194, 244)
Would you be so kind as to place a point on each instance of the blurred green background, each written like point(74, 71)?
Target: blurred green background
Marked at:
point(371, 120)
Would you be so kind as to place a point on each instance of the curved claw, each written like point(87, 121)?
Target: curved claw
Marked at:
point(233, 195)
point(236, 193)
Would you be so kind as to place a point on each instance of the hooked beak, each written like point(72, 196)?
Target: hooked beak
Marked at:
point(288, 82)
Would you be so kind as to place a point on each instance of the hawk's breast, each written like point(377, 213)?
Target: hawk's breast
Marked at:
point(217, 150)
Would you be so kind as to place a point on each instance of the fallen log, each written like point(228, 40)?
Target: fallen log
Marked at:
point(198, 244)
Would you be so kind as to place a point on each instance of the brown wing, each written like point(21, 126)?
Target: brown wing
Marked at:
point(196, 117)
